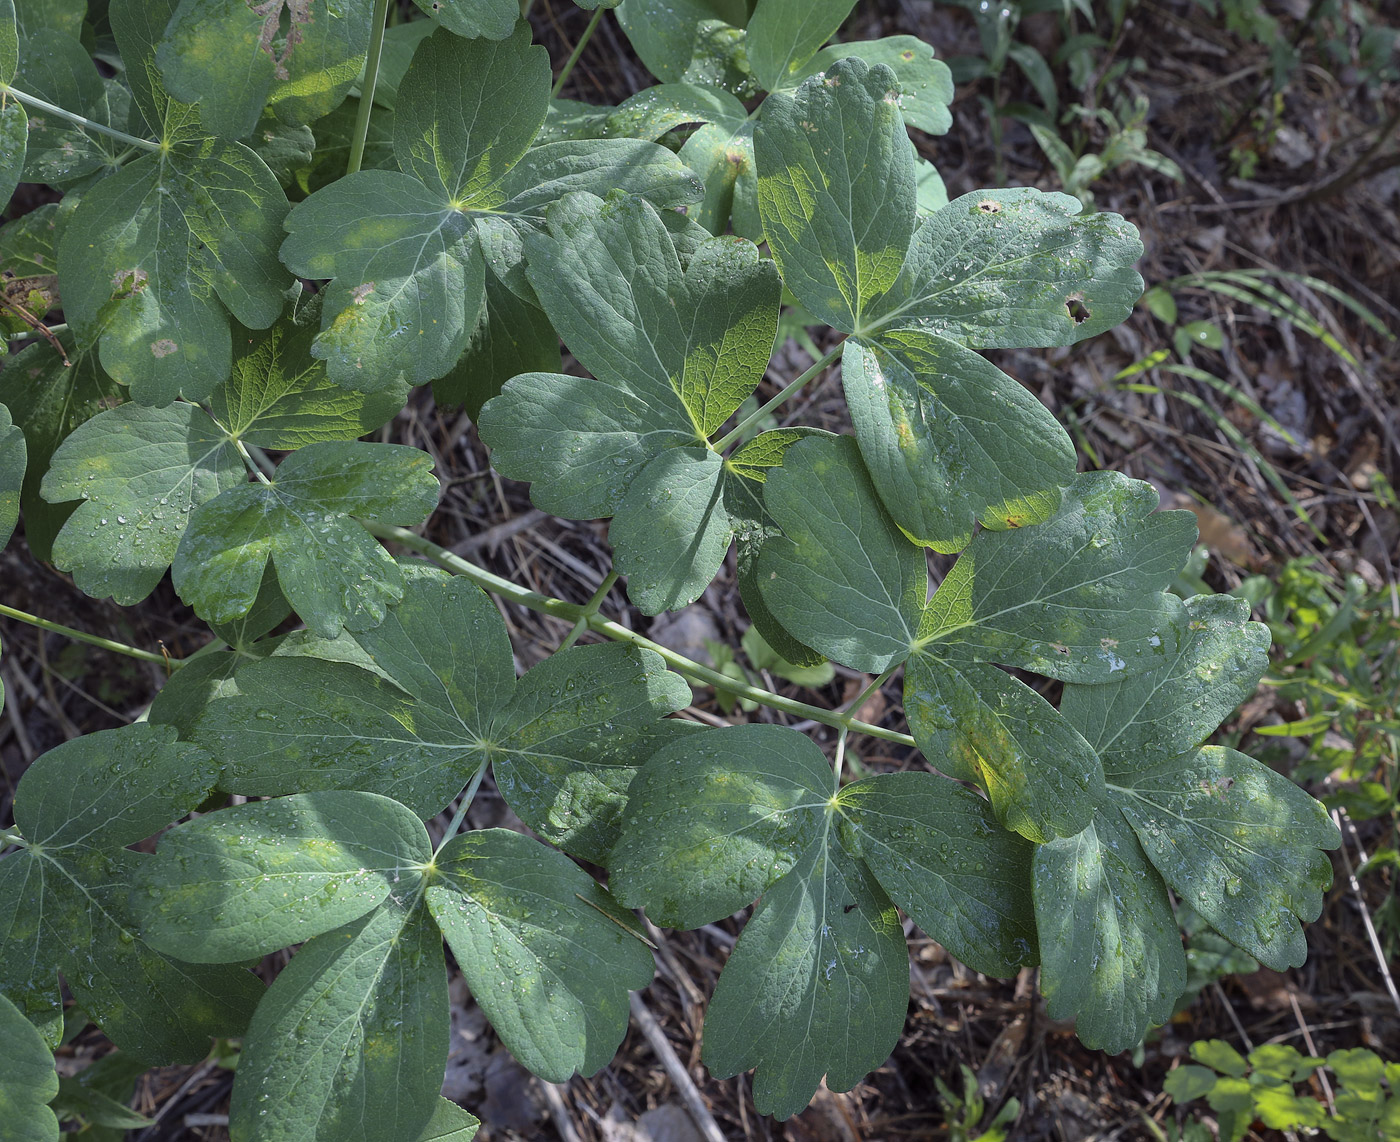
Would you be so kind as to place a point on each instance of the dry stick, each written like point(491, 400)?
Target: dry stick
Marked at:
point(1312, 1050)
point(1338, 818)
point(675, 1070)
point(559, 1111)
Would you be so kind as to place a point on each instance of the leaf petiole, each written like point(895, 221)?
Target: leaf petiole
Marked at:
point(590, 608)
point(463, 804)
point(81, 120)
point(254, 468)
point(734, 435)
point(91, 639)
point(367, 86)
point(569, 63)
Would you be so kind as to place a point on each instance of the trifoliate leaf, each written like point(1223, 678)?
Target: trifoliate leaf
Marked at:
point(783, 35)
point(444, 702)
point(925, 83)
point(331, 571)
point(817, 986)
point(154, 258)
point(491, 19)
point(246, 881)
point(139, 472)
point(1080, 597)
point(49, 399)
point(547, 953)
point(1170, 710)
point(978, 723)
point(13, 460)
point(511, 337)
point(842, 578)
point(28, 1081)
point(1110, 950)
point(56, 67)
point(1014, 268)
point(279, 397)
point(949, 439)
point(818, 983)
point(350, 1042)
point(233, 59)
point(1239, 842)
point(936, 850)
point(836, 189)
point(63, 899)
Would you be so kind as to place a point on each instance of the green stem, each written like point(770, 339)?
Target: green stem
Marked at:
point(851, 711)
point(9, 838)
point(81, 120)
point(589, 610)
point(572, 612)
point(578, 51)
point(462, 806)
point(252, 465)
point(35, 333)
point(90, 639)
point(367, 86)
point(737, 432)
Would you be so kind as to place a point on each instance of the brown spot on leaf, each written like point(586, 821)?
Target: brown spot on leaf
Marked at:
point(128, 283)
point(299, 14)
point(906, 55)
point(1078, 308)
point(360, 292)
point(989, 206)
point(163, 347)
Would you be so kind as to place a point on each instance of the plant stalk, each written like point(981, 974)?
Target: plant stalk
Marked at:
point(569, 63)
point(463, 804)
point(737, 432)
point(81, 120)
point(376, 49)
point(590, 609)
point(91, 639)
point(572, 612)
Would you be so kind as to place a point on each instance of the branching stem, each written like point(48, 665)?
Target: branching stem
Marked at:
point(572, 612)
point(568, 68)
point(589, 610)
point(367, 86)
point(735, 434)
point(90, 639)
point(81, 120)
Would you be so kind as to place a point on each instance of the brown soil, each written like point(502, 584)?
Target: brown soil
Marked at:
point(1323, 200)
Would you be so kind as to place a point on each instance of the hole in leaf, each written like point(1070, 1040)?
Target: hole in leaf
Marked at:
point(1079, 311)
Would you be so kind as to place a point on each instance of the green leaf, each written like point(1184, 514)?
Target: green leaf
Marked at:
point(139, 472)
point(9, 42)
point(1080, 597)
point(63, 899)
point(950, 439)
point(978, 723)
point(931, 194)
point(937, 850)
point(14, 134)
point(817, 986)
point(842, 577)
point(925, 83)
point(350, 1042)
point(1011, 269)
point(233, 59)
point(783, 35)
point(152, 256)
point(27, 1078)
point(95, 1108)
point(491, 19)
point(56, 67)
point(246, 881)
point(836, 189)
point(654, 111)
point(1167, 711)
point(27, 246)
point(278, 396)
point(445, 703)
point(13, 459)
point(49, 399)
point(1219, 1054)
point(666, 36)
point(287, 150)
point(450, 1123)
point(1110, 950)
point(1239, 842)
point(512, 337)
point(137, 26)
point(714, 819)
point(547, 953)
point(60, 15)
point(1188, 1082)
point(331, 571)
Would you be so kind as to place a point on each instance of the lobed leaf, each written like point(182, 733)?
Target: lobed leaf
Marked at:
point(139, 472)
point(350, 1042)
point(836, 189)
point(925, 83)
point(784, 34)
point(1110, 949)
point(56, 67)
point(331, 571)
point(546, 952)
point(63, 899)
point(666, 36)
point(252, 879)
